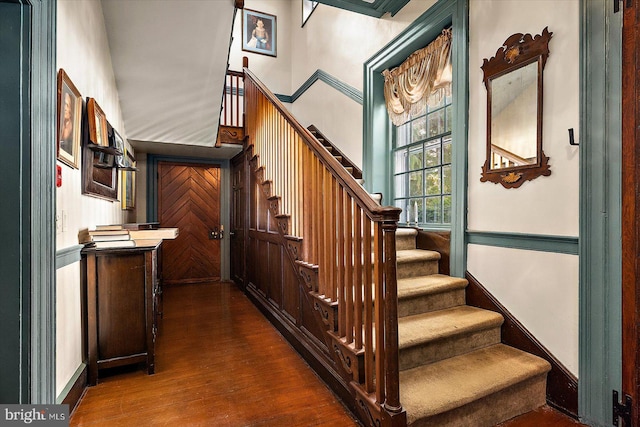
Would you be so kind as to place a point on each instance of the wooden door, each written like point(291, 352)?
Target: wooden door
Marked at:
point(631, 207)
point(189, 198)
point(238, 218)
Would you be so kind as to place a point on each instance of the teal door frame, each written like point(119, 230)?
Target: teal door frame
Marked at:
point(27, 159)
point(377, 128)
point(600, 245)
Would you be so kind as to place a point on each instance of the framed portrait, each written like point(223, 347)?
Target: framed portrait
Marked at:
point(128, 181)
point(69, 121)
point(259, 32)
point(97, 124)
point(308, 6)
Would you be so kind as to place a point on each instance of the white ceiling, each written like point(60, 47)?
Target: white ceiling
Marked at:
point(169, 60)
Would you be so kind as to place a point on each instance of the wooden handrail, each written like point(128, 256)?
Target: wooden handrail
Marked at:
point(345, 234)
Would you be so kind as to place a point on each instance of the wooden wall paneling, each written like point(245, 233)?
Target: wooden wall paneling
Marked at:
point(291, 295)
point(630, 207)
point(275, 274)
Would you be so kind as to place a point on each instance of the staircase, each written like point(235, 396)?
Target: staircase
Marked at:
point(407, 347)
point(454, 371)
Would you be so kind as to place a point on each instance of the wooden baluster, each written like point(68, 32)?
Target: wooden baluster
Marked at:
point(224, 102)
point(392, 371)
point(339, 230)
point(379, 313)
point(348, 263)
point(325, 250)
point(368, 305)
point(237, 86)
point(333, 249)
point(357, 274)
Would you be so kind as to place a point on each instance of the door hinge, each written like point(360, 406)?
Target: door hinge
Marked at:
point(616, 5)
point(622, 410)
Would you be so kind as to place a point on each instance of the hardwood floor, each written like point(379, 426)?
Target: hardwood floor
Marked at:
point(220, 363)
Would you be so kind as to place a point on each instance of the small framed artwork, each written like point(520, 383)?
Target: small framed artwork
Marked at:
point(308, 6)
point(69, 121)
point(97, 124)
point(259, 32)
point(118, 144)
point(128, 181)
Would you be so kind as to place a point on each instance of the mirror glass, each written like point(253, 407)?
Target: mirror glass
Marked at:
point(514, 114)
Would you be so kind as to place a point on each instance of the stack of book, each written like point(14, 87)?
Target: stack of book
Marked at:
point(125, 236)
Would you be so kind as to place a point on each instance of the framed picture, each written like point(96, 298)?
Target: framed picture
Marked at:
point(128, 180)
point(69, 121)
point(308, 6)
point(259, 32)
point(97, 124)
point(118, 144)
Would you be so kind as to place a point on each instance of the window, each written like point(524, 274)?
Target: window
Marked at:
point(422, 166)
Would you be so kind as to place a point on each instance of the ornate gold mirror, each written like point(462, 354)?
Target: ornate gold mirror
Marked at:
point(513, 78)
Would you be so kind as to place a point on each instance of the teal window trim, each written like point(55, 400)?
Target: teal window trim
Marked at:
point(67, 256)
point(377, 128)
point(600, 251)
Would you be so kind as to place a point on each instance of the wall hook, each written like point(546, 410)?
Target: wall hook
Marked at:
point(571, 140)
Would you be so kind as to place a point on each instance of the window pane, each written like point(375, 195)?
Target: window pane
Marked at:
point(448, 120)
point(415, 183)
point(446, 150)
point(401, 186)
point(401, 161)
point(415, 158)
point(432, 181)
point(446, 208)
point(433, 213)
point(434, 103)
point(432, 155)
point(436, 123)
point(402, 204)
point(446, 179)
point(403, 136)
point(418, 129)
point(415, 212)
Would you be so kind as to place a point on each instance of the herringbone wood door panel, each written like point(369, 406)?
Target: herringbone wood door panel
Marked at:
point(189, 198)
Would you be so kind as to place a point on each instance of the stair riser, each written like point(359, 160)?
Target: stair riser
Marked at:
point(428, 303)
point(493, 409)
point(448, 347)
point(408, 269)
point(405, 242)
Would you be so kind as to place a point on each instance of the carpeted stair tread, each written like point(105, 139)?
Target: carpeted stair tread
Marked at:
point(452, 383)
point(437, 325)
point(428, 285)
point(415, 255)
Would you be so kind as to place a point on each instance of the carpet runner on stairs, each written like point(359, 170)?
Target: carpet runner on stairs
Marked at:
point(454, 370)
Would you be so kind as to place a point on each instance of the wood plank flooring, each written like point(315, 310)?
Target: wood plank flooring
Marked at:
point(220, 363)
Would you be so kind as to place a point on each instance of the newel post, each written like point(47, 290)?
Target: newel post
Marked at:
point(392, 368)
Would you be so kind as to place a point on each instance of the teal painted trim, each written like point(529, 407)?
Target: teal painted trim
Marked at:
point(377, 129)
point(72, 381)
point(376, 9)
point(43, 90)
point(530, 242)
point(327, 78)
point(225, 198)
point(67, 256)
point(284, 98)
point(600, 300)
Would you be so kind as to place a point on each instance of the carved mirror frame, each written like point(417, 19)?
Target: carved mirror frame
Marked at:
point(517, 52)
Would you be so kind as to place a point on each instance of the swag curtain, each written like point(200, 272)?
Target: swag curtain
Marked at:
point(424, 77)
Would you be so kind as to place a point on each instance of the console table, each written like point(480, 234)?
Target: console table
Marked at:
point(122, 289)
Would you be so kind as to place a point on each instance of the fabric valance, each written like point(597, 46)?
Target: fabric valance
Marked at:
point(424, 77)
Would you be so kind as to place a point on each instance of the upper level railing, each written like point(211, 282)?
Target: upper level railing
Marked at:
point(233, 100)
point(345, 234)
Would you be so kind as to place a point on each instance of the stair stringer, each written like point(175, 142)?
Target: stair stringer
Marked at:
point(325, 354)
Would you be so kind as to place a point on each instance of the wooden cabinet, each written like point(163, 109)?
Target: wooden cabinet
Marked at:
point(121, 288)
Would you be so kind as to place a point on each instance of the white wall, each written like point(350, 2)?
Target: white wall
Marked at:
point(83, 52)
point(539, 289)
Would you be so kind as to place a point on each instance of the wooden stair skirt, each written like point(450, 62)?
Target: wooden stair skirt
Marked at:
point(454, 370)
